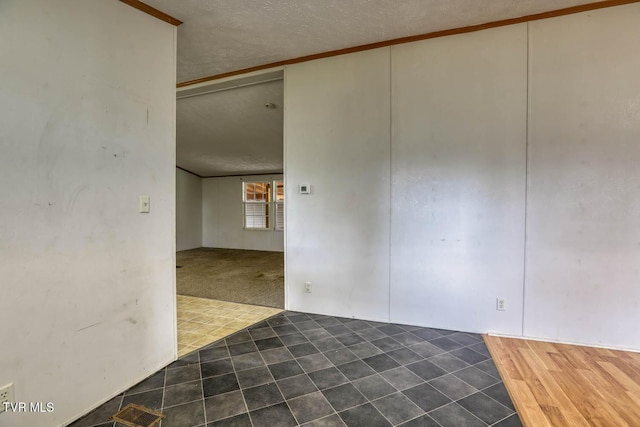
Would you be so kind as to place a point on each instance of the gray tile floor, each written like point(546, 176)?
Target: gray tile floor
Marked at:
point(312, 370)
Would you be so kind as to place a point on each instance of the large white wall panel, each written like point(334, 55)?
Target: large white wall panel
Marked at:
point(87, 282)
point(458, 180)
point(188, 211)
point(337, 132)
point(222, 212)
point(583, 246)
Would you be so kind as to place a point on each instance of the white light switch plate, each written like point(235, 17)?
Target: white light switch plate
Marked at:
point(145, 204)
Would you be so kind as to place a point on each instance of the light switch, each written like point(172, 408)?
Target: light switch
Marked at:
point(144, 204)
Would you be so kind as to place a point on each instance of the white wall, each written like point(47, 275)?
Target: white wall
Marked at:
point(222, 217)
point(87, 283)
point(583, 216)
point(458, 171)
point(337, 134)
point(454, 145)
point(188, 211)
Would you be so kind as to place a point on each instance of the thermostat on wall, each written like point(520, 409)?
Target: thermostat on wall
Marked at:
point(305, 189)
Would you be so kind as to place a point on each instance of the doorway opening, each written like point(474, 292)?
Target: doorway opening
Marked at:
point(230, 204)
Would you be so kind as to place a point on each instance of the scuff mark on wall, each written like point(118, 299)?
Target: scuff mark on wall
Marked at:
point(72, 200)
point(90, 326)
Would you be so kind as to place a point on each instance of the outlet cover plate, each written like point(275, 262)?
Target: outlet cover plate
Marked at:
point(6, 395)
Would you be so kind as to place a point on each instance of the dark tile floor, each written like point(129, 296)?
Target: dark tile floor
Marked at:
point(313, 370)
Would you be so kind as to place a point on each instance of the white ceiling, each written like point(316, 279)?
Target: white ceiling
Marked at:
point(217, 136)
point(231, 132)
point(218, 36)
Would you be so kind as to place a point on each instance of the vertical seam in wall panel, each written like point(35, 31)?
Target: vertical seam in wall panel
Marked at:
point(526, 184)
point(285, 180)
point(174, 106)
point(201, 237)
point(217, 207)
point(390, 174)
point(202, 203)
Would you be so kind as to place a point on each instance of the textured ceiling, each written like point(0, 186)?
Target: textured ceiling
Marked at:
point(228, 35)
point(231, 132)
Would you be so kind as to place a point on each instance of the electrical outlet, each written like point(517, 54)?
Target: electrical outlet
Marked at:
point(501, 304)
point(6, 395)
point(307, 287)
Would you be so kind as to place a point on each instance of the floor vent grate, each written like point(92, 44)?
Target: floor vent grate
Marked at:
point(134, 415)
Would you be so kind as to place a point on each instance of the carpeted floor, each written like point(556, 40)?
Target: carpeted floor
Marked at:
point(247, 277)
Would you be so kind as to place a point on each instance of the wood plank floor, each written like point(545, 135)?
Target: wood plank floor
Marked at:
point(567, 385)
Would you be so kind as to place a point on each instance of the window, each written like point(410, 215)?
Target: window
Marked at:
point(257, 198)
point(279, 204)
point(263, 205)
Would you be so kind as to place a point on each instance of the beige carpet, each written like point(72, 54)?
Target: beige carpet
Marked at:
point(246, 277)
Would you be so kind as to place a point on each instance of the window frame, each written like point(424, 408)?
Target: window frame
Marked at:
point(273, 207)
point(278, 205)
